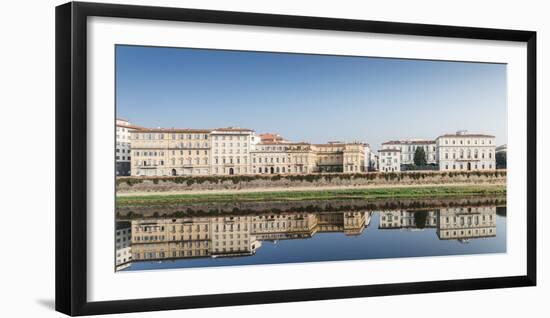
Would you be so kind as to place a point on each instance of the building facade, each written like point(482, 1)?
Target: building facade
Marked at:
point(465, 223)
point(239, 151)
point(340, 157)
point(123, 245)
point(229, 236)
point(466, 152)
point(231, 149)
point(402, 219)
point(170, 152)
point(271, 157)
point(123, 154)
point(408, 149)
point(389, 160)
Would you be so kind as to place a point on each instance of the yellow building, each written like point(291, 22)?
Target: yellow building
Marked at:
point(303, 158)
point(282, 226)
point(171, 238)
point(236, 151)
point(170, 152)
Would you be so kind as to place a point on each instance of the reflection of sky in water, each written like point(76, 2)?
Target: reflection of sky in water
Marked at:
point(372, 243)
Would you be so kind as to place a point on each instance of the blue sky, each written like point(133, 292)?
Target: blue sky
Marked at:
point(305, 97)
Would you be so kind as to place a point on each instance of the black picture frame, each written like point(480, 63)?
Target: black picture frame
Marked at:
point(71, 157)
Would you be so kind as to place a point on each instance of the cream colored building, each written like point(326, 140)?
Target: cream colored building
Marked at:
point(171, 238)
point(303, 158)
point(226, 236)
point(464, 152)
point(408, 149)
point(170, 152)
point(231, 149)
point(237, 151)
point(465, 223)
point(299, 158)
point(282, 226)
point(231, 236)
point(354, 157)
point(271, 157)
point(389, 160)
point(329, 157)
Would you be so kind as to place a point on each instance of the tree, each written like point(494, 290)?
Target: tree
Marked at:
point(500, 158)
point(420, 219)
point(420, 157)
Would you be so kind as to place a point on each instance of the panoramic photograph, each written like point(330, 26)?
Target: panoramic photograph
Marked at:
point(239, 158)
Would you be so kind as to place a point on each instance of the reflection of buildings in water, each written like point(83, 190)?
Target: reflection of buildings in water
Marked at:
point(123, 247)
point(283, 226)
point(461, 224)
point(411, 220)
point(351, 223)
point(232, 236)
point(222, 236)
point(466, 223)
point(170, 238)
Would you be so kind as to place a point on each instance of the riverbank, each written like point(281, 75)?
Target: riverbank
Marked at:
point(424, 191)
point(136, 186)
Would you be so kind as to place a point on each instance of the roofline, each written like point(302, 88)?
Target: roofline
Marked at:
point(389, 150)
point(171, 130)
point(465, 135)
point(394, 142)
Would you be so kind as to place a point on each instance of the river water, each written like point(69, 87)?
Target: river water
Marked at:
point(267, 237)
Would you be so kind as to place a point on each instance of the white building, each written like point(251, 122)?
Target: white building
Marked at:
point(390, 160)
point(402, 219)
point(123, 245)
point(123, 147)
point(463, 151)
point(231, 150)
point(408, 149)
point(465, 223)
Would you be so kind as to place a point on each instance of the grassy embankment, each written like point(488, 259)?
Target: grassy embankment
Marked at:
point(281, 196)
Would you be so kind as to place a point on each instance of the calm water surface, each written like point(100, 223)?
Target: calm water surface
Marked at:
point(272, 238)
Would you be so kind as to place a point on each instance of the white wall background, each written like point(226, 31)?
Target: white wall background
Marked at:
point(27, 156)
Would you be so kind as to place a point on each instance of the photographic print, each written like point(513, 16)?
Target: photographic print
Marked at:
point(227, 157)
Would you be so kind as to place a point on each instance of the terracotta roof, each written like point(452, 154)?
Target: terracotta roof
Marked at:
point(409, 142)
point(270, 136)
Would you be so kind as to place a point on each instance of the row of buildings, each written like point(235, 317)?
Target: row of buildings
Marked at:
point(228, 151)
point(233, 236)
point(239, 151)
point(460, 151)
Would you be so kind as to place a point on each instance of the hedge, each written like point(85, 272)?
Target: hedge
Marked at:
point(417, 175)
